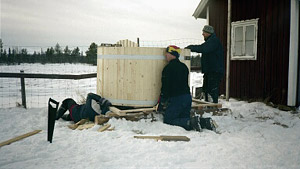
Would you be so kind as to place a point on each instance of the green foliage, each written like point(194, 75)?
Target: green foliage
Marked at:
point(91, 53)
point(76, 52)
point(67, 51)
point(57, 49)
point(1, 47)
point(52, 55)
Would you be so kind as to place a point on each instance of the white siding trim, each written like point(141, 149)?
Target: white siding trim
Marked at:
point(207, 15)
point(293, 57)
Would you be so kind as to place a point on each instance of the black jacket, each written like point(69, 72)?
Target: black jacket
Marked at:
point(174, 79)
point(212, 59)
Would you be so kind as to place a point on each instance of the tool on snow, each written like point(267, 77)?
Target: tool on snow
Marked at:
point(51, 118)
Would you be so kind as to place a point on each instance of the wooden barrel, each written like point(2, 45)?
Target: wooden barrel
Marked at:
point(131, 76)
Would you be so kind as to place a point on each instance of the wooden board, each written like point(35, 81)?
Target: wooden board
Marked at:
point(164, 138)
point(130, 112)
point(101, 119)
point(131, 76)
point(103, 128)
point(19, 137)
point(202, 104)
point(85, 126)
point(74, 126)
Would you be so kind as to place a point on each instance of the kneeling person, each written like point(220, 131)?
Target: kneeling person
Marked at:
point(175, 94)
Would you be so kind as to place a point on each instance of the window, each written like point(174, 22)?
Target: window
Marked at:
point(244, 40)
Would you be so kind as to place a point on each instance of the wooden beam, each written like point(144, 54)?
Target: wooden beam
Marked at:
point(164, 138)
point(103, 128)
point(85, 126)
point(202, 104)
point(74, 126)
point(48, 76)
point(101, 119)
point(126, 112)
point(19, 137)
point(115, 110)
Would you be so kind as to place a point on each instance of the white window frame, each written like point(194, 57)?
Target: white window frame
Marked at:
point(244, 24)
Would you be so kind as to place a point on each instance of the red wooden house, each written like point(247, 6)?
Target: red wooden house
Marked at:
point(260, 40)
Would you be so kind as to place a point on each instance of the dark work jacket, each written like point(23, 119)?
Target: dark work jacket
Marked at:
point(79, 112)
point(174, 79)
point(212, 59)
point(94, 106)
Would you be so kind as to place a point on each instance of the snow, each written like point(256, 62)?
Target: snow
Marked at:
point(252, 135)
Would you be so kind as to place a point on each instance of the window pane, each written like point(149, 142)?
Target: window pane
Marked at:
point(250, 32)
point(249, 48)
point(239, 34)
point(244, 39)
point(238, 48)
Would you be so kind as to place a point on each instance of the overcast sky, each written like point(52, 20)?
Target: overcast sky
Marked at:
point(81, 22)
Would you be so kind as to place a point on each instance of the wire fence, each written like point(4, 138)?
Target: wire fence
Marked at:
point(38, 91)
point(164, 43)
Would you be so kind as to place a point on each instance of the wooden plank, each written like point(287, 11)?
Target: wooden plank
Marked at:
point(121, 79)
point(103, 128)
point(115, 110)
point(19, 137)
point(100, 69)
point(131, 74)
point(85, 126)
point(125, 112)
point(200, 101)
point(202, 104)
point(164, 138)
point(74, 126)
point(174, 138)
point(101, 119)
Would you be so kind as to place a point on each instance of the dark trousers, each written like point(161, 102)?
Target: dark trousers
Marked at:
point(178, 111)
point(88, 102)
point(211, 84)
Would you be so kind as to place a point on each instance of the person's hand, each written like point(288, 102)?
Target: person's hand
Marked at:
point(162, 104)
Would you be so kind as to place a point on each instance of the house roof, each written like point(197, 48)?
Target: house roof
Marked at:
point(200, 11)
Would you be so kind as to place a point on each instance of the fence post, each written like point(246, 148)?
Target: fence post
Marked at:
point(23, 90)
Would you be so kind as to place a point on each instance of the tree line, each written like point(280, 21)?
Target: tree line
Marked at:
point(57, 55)
point(54, 54)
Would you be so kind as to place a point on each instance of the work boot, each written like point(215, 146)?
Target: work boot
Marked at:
point(60, 112)
point(195, 123)
point(208, 123)
point(195, 120)
point(66, 104)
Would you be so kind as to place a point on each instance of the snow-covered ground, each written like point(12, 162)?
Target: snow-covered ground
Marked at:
point(253, 135)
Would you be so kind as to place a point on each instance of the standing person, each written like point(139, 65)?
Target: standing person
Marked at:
point(212, 62)
point(175, 94)
point(95, 105)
